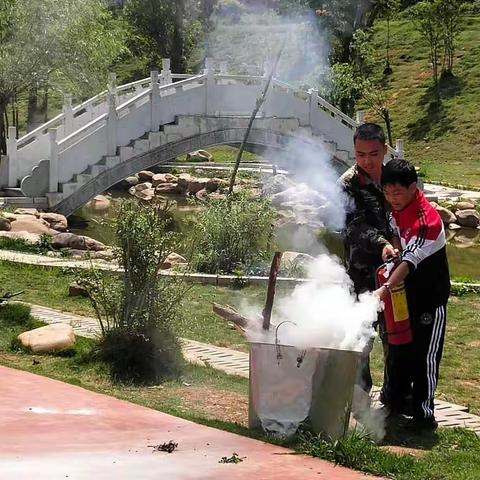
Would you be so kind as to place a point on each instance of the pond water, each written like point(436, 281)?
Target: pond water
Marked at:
point(463, 247)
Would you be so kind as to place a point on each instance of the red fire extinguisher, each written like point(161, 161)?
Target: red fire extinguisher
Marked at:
point(397, 319)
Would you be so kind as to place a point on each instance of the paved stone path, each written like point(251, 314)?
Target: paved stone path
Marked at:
point(447, 193)
point(234, 362)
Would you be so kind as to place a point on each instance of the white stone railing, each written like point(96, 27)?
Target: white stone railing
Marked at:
point(80, 136)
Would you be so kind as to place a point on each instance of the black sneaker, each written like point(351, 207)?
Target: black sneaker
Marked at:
point(422, 424)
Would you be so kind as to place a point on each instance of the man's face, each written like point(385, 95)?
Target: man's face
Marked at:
point(369, 155)
point(398, 196)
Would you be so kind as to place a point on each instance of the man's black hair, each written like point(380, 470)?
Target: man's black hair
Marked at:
point(399, 171)
point(369, 131)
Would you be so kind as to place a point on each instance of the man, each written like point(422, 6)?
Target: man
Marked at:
point(367, 229)
point(423, 266)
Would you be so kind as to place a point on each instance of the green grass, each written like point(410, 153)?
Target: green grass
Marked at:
point(442, 141)
point(226, 154)
point(459, 382)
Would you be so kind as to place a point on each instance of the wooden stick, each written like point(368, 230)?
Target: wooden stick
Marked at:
point(230, 314)
point(272, 280)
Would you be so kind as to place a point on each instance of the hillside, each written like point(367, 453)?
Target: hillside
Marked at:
point(444, 142)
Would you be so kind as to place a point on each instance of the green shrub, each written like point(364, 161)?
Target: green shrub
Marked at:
point(136, 310)
point(232, 234)
point(15, 314)
point(42, 246)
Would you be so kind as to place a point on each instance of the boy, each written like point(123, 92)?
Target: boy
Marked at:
point(424, 268)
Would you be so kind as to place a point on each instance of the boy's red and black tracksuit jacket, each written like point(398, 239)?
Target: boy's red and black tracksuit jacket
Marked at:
point(422, 236)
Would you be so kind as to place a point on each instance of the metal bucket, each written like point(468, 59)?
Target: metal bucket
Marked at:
point(290, 387)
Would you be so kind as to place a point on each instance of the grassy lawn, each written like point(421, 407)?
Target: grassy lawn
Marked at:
point(218, 400)
point(226, 154)
point(443, 141)
point(459, 381)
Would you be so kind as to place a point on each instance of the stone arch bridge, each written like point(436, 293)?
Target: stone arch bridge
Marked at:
point(90, 147)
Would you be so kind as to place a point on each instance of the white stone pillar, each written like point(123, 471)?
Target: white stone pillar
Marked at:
point(223, 71)
point(154, 101)
point(112, 120)
point(209, 71)
point(67, 115)
point(166, 72)
point(112, 87)
point(399, 149)
point(360, 117)
point(53, 164)
point(313, 105)
point(12, 155)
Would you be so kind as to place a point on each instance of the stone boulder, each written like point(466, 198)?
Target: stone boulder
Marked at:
point(51, 338)
point(183, 180)
point(99, 203)
point(147, 195)
point(32, 225)
point(5, 224)
point(464, 205)
point(26, 211)
point(11, 217)
point(202, 195)
point(294, 259)
point(131, 181)
point(30, 238)
point(276, 184)
point(447, 216)
point(145, 176)
point(76, 242)
point(174, 260)
point(214, 184)
point(167, 188)
point(468, 218)
point(200, 156)
point(142, 186)
point(56, 221)
point(196, 184)
point(76, 290)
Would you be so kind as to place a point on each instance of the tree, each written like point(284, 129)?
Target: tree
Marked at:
point(451, 21)
point(47, 43)
point(376, 99)
point(425, 16)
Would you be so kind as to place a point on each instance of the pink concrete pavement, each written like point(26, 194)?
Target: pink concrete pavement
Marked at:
point(52, 430)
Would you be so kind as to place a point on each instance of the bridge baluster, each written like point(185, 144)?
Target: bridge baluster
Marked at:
point(12, 156)
point(53, 164)
point(67, 115)
point(154, 101)
point(111, 128)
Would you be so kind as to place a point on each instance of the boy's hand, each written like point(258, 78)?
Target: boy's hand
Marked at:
point(381, 293)
point(389, 252)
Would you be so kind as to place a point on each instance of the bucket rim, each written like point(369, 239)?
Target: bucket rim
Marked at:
point(301, 348)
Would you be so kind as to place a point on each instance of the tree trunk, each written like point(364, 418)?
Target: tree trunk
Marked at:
point(178, 60)
point(3, 129)
point(36, 114)
point(388, 125)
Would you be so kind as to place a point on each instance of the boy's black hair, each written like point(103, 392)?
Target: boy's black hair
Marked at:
point(369, 131)
point(399, 171)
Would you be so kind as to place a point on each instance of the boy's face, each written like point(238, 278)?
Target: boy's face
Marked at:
point(398, 196)
point(369, 155)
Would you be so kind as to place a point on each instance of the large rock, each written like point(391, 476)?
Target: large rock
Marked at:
point(200, 156)
point(145, 176)
point(77, 242)
point(276, 184)
point(26, 211)
point(202, 195)
point(447, 216)
point(295, 259)
point(147, 195)
point(214, 184)
point(464, 205)
point(99, 203)
point(167, 188)
point(196, 184)
point(467, 218)
point(76, 290)
point(56, 221)
point(30, 238)
point(174, 260)
point(51, 338)
point(183, 180)
point(5, 224)
point(143, 186)
point(32, 225)
point(131, 181)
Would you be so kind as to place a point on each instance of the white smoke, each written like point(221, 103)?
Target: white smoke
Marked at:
point(322, 312)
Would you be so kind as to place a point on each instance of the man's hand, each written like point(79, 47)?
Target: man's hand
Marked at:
point(389, 252)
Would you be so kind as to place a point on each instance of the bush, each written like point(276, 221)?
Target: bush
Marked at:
point(15, 314)
point(232, 234)
point(136, 310)
point(43, 246)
